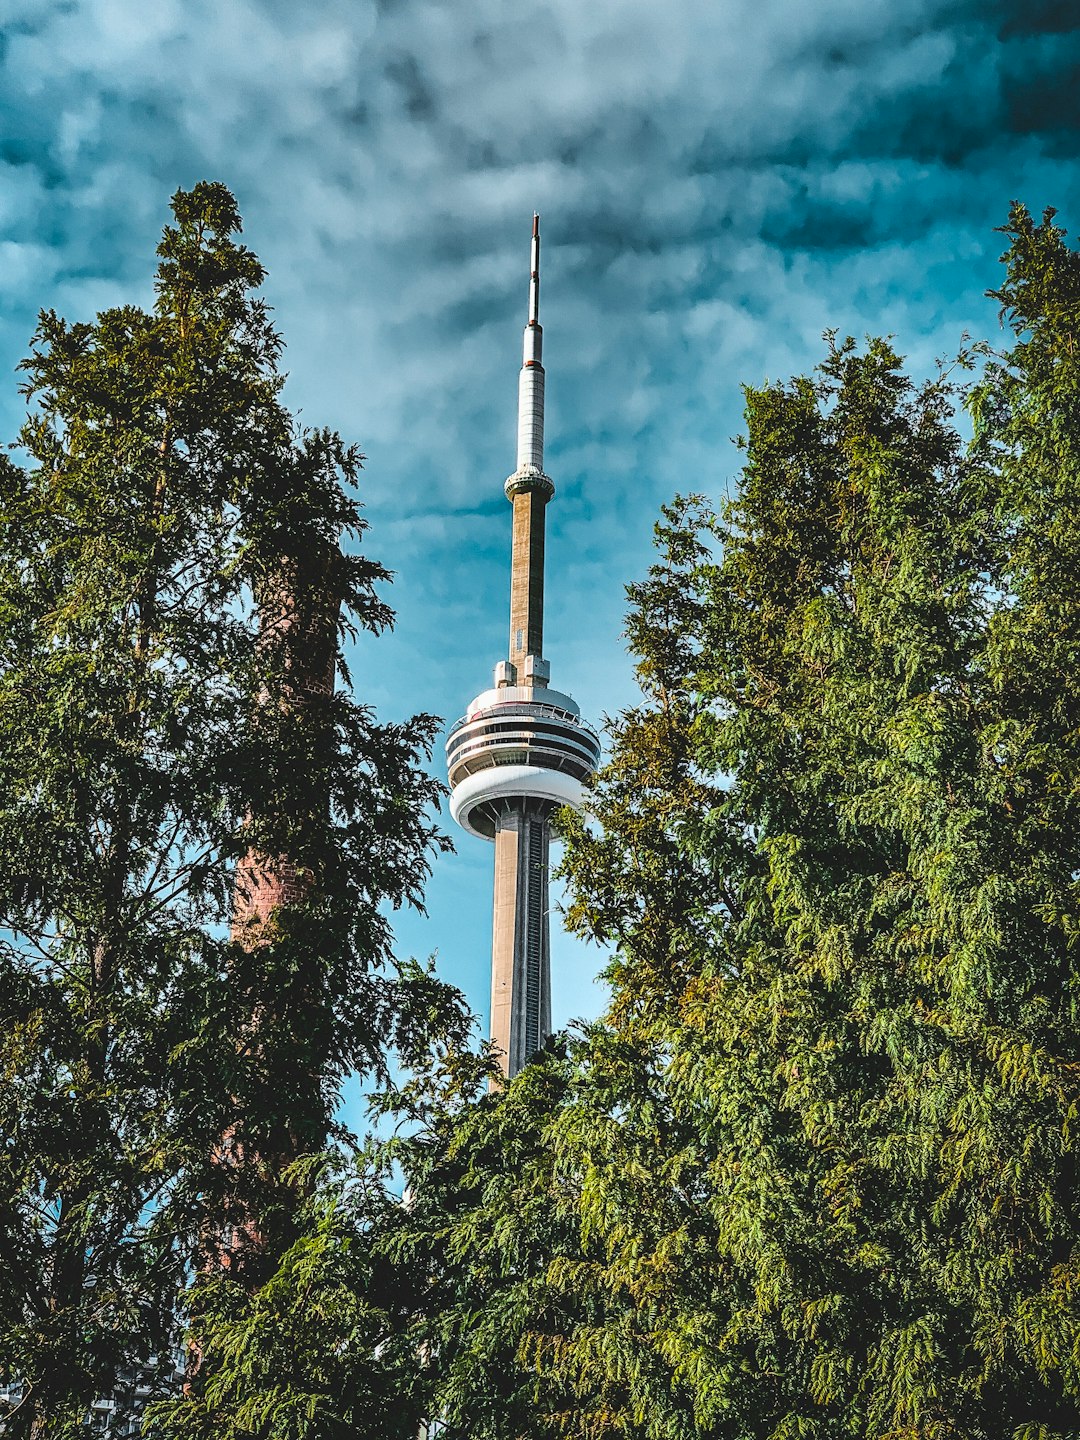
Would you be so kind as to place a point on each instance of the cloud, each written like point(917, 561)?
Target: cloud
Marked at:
point(719, 181)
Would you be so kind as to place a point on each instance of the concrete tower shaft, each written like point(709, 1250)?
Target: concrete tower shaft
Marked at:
point(521, 945)
point(522, 749)
point(527, 584)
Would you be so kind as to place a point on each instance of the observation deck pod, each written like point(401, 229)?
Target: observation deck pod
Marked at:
point(518, 746)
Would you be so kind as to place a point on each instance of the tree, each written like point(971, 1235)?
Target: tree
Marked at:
point(333, 1343)
point(817, 1170)
point(149, 741)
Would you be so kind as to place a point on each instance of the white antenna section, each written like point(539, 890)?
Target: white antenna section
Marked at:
point(530, 446)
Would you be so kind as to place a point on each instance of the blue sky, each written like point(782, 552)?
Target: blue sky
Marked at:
point(719, 180)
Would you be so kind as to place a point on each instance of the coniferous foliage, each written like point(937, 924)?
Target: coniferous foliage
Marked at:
point(334, 1343)
point(148, 741)
point(815, 1174)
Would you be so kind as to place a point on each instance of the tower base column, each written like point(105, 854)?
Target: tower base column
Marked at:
point(520, 957)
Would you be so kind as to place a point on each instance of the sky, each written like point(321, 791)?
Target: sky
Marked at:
point(719, 182)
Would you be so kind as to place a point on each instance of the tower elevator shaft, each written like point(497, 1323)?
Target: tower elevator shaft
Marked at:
point(520, 953)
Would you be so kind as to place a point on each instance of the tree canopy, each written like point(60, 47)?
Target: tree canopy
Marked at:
point(163, 501)
point(815, 1172)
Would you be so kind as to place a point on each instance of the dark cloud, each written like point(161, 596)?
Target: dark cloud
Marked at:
point(417, 95)
point(1041, 75)
point(1036, 17)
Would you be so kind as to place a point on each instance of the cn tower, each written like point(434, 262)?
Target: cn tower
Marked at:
point(522, 749)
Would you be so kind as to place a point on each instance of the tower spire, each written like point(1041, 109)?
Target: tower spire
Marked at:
point(534, 277)
point(530, 446)
point(529, 491)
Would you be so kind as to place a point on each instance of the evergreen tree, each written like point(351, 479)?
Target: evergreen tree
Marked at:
point(149, 740)
point(815, 1174)
point(334, 1343)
